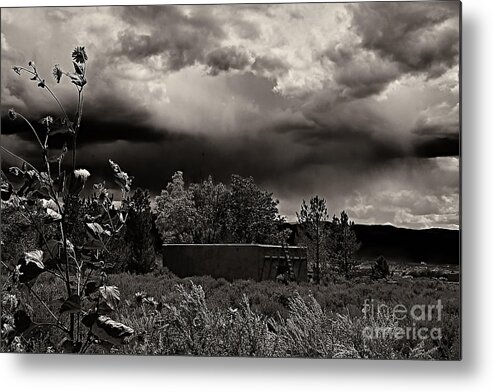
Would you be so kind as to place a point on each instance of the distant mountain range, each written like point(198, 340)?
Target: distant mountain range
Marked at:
point(433, 246)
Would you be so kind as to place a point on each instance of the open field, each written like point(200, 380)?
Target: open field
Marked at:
point(205, 316)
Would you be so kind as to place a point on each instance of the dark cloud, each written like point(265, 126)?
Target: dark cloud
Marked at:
point(360, 73)
point(444, 146)
point(342, 138)
point(421, 37)
point(299, 102)
point(93, 130)
point(180, 38)
point(389, 40)
point(177, 53)
point(227, 58)
point(153, 164)
point(437, 132)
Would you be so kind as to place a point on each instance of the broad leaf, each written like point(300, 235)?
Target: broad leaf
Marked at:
point(95, 230)
point(71, 305)
point(36, 257)
point(77, 79)
point(51, 249)
point(22, 321)
point(111, 331)
point(30, 266)
point(48, 203)
point(91, 287)
point(93, 265)
point(73, 184)
point(51, 253)
point(89, 319)
point(95, 233)
point(78, 68)
point(110, 296)
point(52, 216)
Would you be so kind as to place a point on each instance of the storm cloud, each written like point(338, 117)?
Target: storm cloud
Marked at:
point(358, 103)
point(419, 37)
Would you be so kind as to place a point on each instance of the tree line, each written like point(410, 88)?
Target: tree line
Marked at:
point(213, 212)
point(209, 212)
point(243, 212)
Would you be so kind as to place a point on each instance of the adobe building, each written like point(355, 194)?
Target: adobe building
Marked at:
point(236, 261)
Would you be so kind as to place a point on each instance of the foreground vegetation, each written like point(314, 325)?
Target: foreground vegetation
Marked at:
point(209, 317)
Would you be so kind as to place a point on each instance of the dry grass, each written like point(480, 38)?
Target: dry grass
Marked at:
point(209, 317)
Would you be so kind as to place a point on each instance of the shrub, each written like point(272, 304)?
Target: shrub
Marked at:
point(18, 236)
point(380, 269)
point(138, 236)
point(343, 245)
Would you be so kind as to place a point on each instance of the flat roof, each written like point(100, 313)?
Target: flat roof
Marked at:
point(236, 245)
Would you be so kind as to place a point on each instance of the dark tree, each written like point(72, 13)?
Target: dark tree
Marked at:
point(210, 202)
point(343, 244)
point(380, 269)
point(313, 221)
point(138, 235)
point(253, 216)
point(176, 213)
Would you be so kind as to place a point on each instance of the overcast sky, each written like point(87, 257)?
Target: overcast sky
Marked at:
point(358, 103)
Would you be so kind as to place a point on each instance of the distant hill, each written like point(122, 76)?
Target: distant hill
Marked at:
point(433, 246)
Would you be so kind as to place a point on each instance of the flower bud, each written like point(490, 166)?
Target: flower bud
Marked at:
point(76, 180)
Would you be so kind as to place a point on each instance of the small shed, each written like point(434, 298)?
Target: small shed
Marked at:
point(236, 261)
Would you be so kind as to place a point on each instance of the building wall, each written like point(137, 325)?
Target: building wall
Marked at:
point(231, 261)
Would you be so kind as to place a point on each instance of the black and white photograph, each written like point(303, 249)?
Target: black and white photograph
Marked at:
point(232, 180)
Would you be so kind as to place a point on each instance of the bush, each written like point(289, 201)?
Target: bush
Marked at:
point(17, 235)
point(138, 234)
point(380, 269)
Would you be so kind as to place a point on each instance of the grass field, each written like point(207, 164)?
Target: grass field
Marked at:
point(205, 316)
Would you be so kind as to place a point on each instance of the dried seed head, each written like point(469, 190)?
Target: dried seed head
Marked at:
point(57, 73)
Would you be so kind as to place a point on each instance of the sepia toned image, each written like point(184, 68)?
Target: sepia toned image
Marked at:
point(259, 180)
